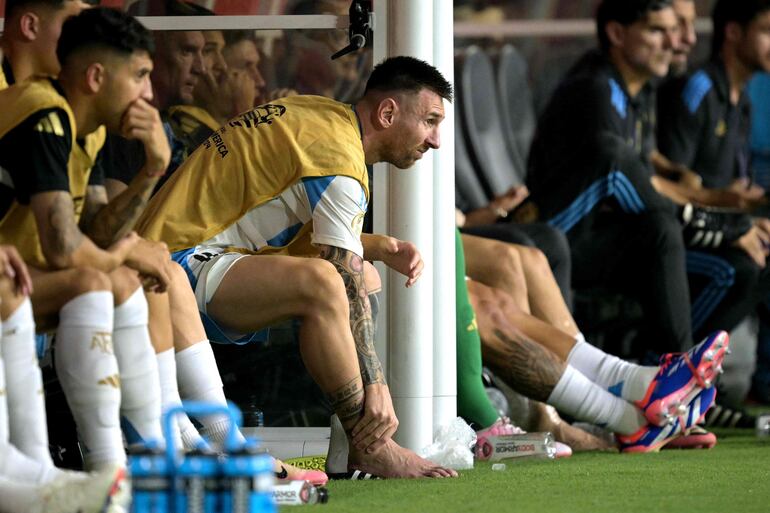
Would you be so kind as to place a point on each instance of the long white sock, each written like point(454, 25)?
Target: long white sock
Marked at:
point(139, 379)
point(88, 373)
point(199, 380)
point(12, 462)
point(581, 398)
point(24, 383)
point(19, 496)
point(620, 378)
point(185, 434)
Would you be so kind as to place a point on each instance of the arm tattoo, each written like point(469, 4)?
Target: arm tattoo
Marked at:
point(110, 222)
point(527, 367)
point(351, 268)
point(63, 235)
point(348, 402)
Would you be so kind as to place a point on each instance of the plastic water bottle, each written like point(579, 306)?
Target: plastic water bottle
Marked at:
point(295, 493)
point(197, 487)
point(150, 481)
point(525, 445)
point(247, 481)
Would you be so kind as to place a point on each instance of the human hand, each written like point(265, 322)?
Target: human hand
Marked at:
point(403, 257)
point(14, 268)
point(151, 260)
point(510, 200)
point(120, 249)
point(379, 421)
point(142, 121)
point(755, 244)
point(241, 90)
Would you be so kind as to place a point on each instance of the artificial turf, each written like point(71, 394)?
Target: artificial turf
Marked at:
point(732, 477)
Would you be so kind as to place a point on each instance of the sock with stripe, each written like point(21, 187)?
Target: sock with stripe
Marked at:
point(623, 379)
point(88, 373)
point(584, 400)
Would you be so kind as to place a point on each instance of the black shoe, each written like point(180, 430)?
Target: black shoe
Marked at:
point(712, 227)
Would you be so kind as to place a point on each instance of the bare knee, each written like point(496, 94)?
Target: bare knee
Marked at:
point(372, 278)
point(125, 282)
point(87, 279)
point(321, 284)
point(534, 260)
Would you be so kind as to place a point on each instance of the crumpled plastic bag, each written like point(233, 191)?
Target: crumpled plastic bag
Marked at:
point(452, 446)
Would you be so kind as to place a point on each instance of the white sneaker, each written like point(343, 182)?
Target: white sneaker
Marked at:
point(106, 491)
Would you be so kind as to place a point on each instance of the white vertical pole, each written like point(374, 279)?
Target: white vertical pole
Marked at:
point(381, 198)
point(409, 216)
point(444, 335)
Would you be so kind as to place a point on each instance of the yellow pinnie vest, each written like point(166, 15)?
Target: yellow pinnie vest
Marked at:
point(19, 102)
point(252, 159)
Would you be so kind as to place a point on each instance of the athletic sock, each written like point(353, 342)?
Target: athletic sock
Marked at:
point(12, 462)
point(185, 434)
point(626, 380)
point(19, 496)
point(88, 373)
point(199, 380)
point(24, 386)
point(579, 397)
point(139, 379)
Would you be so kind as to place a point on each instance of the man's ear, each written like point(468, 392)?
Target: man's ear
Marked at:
point(29, 24)
point(386, 112)
point(95, 77)
point(616, 33)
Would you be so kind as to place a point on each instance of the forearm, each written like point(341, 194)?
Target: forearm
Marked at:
point(373, 246)
point(118, 217)
point(673, 191)
point(351, 269)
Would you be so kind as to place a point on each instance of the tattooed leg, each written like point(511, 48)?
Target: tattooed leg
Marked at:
point(348, 403)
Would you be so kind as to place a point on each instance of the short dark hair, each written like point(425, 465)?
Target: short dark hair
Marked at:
point(235, 36)
point(625, 12)
point(742, 12)
point(14, 6)
point(102, 27)
point(408, 74)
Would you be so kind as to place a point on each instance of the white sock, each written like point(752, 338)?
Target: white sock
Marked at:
point(88, 373)
point(12, 462)
point(199, 380)
point(579, 397)
point(620, 378)
point(24, 384)
point(19, 496)
point(185, 434)
point(139, 380)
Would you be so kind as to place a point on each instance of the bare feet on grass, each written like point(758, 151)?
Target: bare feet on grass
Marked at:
point(393, 461)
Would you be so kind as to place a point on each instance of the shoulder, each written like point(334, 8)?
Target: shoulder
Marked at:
point(694, 89)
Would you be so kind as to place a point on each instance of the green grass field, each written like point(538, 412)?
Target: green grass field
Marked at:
point(734, 477)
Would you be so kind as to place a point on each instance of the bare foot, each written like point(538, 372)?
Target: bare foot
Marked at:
point(545, 418)
point(392, 460)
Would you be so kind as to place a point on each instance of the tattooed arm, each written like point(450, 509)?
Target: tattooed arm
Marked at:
point(379, 419)
point(64, 245)
point(108, 221)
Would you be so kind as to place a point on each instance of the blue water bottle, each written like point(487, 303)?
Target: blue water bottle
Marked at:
point(249, 479)
point(151, 481)
point(196, 475)
point(197, 484)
